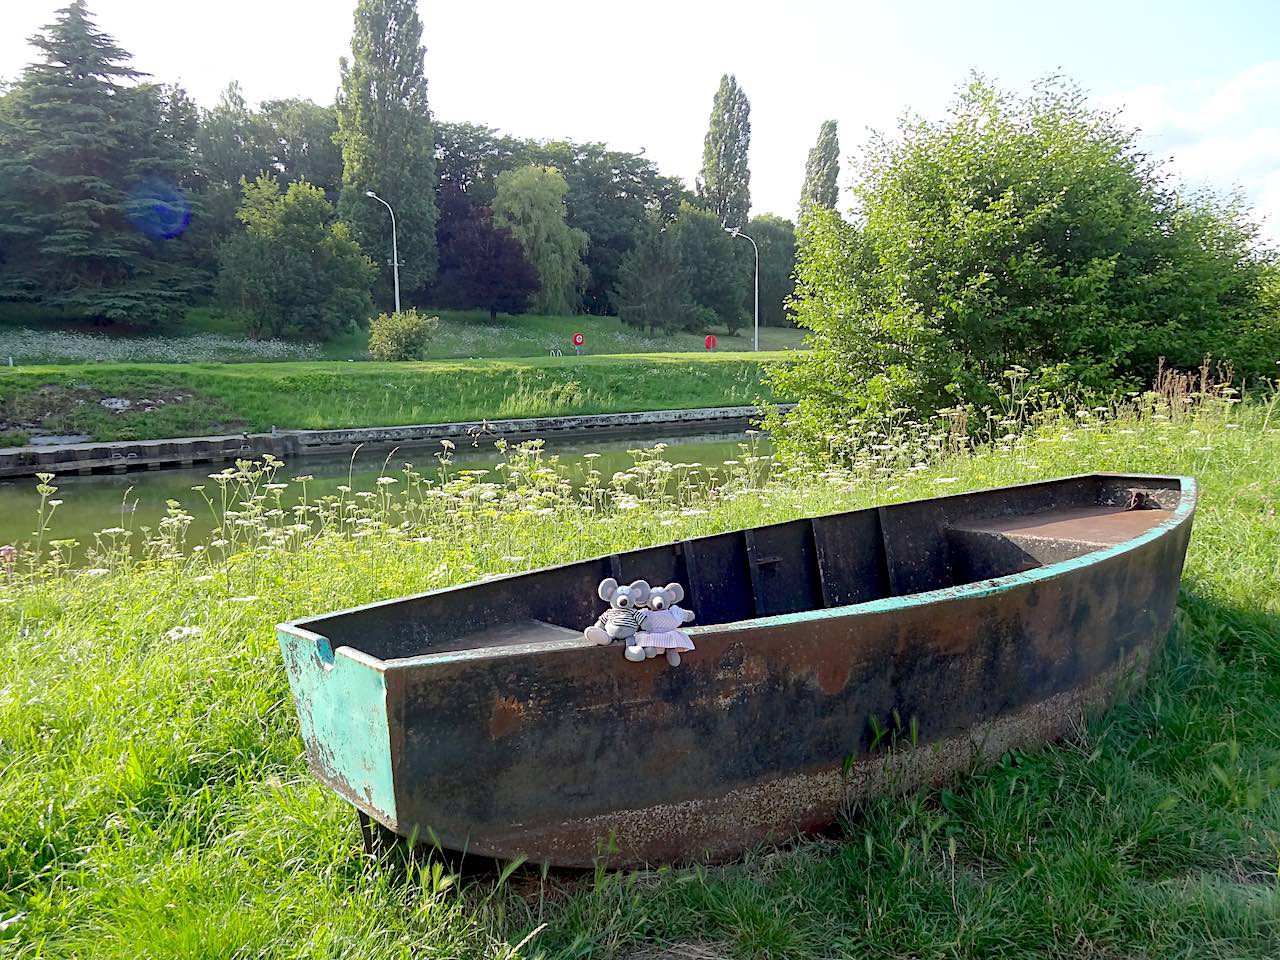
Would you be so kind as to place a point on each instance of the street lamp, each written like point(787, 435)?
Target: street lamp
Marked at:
point(737, 232)
point(395, 253)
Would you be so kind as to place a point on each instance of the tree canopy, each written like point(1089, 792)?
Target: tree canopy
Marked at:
point(481, 263)
point(652, 290)
point(530, 202)
point(724, 185)
point(92, 199)
point(384, 128)
point(1017, 234)
point(294, 268)
point(822, 171)
point(718, 284)
point(776, 239)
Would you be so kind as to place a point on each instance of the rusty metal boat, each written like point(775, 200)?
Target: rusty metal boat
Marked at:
point(837, 657)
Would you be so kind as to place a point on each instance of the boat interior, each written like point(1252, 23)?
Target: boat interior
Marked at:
point(798, 565)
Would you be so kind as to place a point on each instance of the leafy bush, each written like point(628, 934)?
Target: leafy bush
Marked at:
point(294, 268)
point(401, 336)
point(1026, 236)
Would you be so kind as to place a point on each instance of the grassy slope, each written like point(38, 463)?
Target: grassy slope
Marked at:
point(462, 334)
point(155, 801)
point(218, 397)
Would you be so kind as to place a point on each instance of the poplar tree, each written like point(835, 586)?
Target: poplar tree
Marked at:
point(724, 185)
point(822, 171)
point(91, 173)
point(384, 128)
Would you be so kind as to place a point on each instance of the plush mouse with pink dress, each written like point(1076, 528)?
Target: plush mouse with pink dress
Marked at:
point(660, 628)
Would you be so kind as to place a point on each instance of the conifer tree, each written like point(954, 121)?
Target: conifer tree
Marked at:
point(822, 171)
point(384, 127)
point(724, 186)
point(91, 203)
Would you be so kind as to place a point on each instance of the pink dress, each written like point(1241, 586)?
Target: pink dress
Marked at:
point(662, 630)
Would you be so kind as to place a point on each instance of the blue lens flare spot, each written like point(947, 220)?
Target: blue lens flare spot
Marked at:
point(160, 210)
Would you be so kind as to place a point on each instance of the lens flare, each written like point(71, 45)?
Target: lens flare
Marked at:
point(160, 210)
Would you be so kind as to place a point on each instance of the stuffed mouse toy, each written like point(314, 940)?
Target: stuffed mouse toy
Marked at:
point(624, 617)
point(660, 626)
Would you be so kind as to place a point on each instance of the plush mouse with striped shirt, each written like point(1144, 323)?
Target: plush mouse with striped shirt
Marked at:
point(625, 616)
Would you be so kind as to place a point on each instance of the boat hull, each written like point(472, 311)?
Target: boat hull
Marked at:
point(573, 757)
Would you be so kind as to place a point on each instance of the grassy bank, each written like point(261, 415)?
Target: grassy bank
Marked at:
point(155, 801)
point(171, 400)
point(31, 334)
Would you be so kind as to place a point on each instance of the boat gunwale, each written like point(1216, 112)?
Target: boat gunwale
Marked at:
point(1188, 492)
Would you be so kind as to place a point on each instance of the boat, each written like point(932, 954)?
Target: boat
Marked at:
point(837, 658)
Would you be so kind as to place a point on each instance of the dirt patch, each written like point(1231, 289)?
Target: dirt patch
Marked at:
point(55, 409)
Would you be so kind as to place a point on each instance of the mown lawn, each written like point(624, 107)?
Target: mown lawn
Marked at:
point(155, 803)
point(202, 398)
point(32, 334)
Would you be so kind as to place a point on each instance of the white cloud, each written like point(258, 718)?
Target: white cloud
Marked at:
point(1217, 133)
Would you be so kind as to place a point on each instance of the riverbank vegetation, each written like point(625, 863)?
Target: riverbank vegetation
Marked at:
point(34, 336)
point(155, 800)
point(198, 399)
point(171, 216)
point(1026, 237)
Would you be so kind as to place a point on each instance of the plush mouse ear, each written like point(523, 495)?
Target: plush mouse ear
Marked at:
point(639, 591)
point(676, 591)
point(608, 587)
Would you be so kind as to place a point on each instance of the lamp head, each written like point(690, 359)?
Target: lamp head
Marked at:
point(370, 193)
point(732, 231)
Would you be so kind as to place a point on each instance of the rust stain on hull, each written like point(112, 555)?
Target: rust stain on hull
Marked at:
point(548, 747)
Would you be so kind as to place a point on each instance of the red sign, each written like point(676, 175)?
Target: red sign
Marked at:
point(710, 342)
point(579, 339)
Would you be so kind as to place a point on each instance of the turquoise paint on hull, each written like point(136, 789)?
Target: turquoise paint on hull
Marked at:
point(341, 699)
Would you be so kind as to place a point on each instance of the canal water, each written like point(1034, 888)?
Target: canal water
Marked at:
point(134, 500)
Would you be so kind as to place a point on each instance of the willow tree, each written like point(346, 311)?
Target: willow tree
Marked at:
point(530, 202)
point(724, 185)
point(384, 129)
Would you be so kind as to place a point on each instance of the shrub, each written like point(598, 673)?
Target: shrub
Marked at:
point(294, 269)
point(401, 336)
point(1030, 236)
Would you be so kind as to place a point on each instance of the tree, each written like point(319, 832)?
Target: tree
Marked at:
point(1029, 234)
point(384, 129)
point(776, 239)
point(481, 264)
point(92, 210)
point(610, 195)
point(725, 182)
point(822, 171)
point(294, 269)
point(299, 136)
point(652, 290)
point(530, 202)
point(470, 156)
point(716, 281)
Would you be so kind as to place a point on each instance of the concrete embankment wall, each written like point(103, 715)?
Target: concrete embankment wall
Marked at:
point(291, 444)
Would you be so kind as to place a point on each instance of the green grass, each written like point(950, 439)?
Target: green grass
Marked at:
point(213, 398)
point(462, 334)
point(154, 799)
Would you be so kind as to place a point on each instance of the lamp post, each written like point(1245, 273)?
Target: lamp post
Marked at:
point(395, 252)
point(737, 232)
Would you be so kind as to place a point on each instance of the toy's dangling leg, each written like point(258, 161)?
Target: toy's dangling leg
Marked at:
point(633, 653)
point(673, 657)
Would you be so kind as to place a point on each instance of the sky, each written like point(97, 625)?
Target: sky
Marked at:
point(1201, 79)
